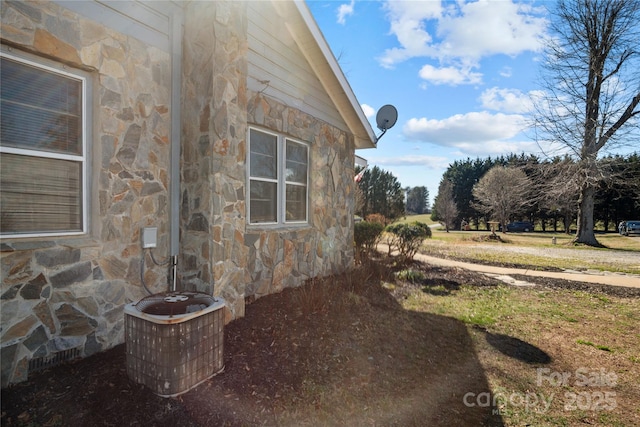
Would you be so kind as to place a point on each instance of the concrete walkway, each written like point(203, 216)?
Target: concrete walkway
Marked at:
point(504, 273)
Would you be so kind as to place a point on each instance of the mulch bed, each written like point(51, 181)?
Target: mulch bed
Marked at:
point(346, 331)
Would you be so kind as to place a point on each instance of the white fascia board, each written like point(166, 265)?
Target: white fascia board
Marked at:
point(344, 86)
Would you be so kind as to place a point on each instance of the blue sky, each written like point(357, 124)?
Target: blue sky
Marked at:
point(461, 75)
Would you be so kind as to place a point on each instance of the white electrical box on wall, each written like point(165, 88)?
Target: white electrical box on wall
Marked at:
point(149, 237)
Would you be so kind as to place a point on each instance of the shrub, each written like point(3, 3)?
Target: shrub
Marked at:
point(377, 218)
point(409, 275)
point(366, 235)
point(407, 238)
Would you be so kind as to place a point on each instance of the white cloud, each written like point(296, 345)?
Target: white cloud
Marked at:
point(475, 133)
point(461, 33)
point(345, 10)
point(368, 110)
point(506, 72)
point(407, 19)
point(449, 75)
point(429, 162)
point(496, 148)
point(485, 28)
point(549, 149)
point(506, 100)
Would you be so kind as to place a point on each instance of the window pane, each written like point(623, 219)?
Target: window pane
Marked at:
point(296, 170)
point(263, 166)
point(41, 110)
point(263, 155)
point(296, 152)
point(39, 194)
point(263, 201)
point(296, 203)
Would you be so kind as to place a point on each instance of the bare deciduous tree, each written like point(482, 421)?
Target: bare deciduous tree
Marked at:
point(445, 205)
point(502, 192)
point(557, 185)
point(592, 89)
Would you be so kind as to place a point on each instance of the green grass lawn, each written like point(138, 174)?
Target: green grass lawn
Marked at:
point(536, 250)
point(611, 240)
point(425, 218)
point(540, 239)
point(565, 325)
point(530, 249)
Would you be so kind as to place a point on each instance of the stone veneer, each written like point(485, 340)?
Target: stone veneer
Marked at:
point(65, 294)
point(213, 151)
point(61, 294)
point(220, 253)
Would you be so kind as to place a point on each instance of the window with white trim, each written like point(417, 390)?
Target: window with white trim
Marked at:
point(43, 147)
point(278, 179)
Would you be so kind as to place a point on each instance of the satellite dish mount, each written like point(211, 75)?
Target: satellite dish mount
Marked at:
point(385, 119)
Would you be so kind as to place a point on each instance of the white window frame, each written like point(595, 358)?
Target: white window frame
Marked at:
point(281, 149)
point(84, 77)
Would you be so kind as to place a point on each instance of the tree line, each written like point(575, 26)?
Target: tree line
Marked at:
point(508, 188)
point(519, 187)
point(379, 192)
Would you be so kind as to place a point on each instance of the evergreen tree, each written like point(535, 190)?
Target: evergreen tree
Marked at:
point(382, 194)
point(417, 200)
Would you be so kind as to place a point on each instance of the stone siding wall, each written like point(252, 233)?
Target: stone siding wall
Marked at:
point(64, 294)
point(60, 294)
point(214, 120)
point(288, 257)
point(219, 252)
point(249, 261)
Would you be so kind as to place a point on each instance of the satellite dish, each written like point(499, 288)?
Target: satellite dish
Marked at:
point(386, 118)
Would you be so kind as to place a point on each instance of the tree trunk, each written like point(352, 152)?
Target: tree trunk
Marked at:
point(585, 233)
point(567, 223)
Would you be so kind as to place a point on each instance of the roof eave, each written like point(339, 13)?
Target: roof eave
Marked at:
point(321, 58)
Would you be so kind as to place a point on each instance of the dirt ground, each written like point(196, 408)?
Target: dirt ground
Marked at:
point(338, 351)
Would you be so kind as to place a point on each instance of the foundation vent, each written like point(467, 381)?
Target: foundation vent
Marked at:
point(55, 359)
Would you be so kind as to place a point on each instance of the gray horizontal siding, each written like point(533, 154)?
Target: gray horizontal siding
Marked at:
point(275, 57)
point(148, 21)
